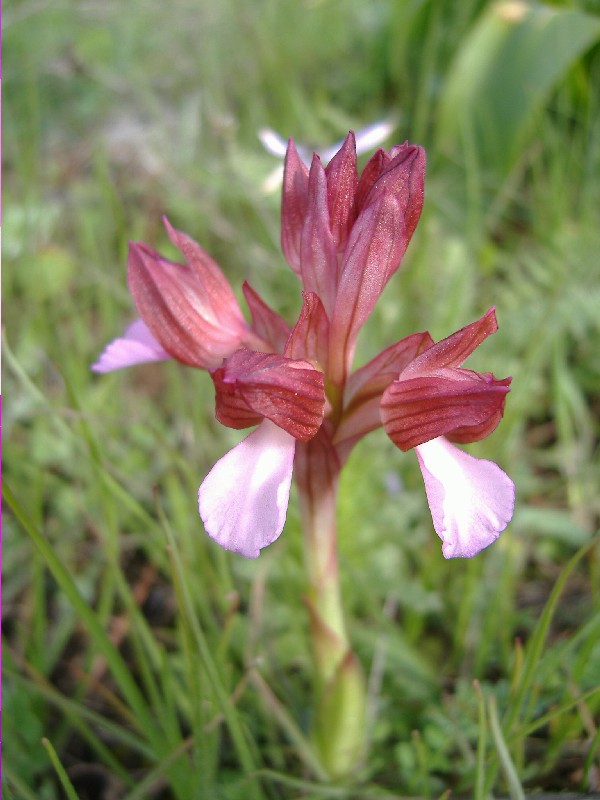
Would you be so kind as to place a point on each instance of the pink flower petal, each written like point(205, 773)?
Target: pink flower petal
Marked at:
point(190, 308)
point(471, 500)
point(136, 346)
point(342, 180)
point(309, 338)
point(454, 349)
point(289, 392)
point(266, 323)
point(318, 255)
point(244, 498)
point(458, 403)
point(294, 201)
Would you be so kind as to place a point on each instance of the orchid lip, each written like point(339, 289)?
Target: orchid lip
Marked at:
point(243, 500)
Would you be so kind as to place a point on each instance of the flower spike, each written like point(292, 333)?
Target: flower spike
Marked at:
point(344, 236)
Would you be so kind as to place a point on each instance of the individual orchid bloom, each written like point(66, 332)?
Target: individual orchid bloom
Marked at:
point(243, 500)
point(366, 140)
point(344, 236)
point(188, 311)
point(435, 396)
point(435, 399)
point(423, 397)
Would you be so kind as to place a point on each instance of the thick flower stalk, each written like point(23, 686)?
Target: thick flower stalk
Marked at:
point(344, 235)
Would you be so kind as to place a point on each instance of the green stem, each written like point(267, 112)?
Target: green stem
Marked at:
point(318, 515)
point(340, 695)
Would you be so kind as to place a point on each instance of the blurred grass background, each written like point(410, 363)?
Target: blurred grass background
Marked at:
point(141, 661)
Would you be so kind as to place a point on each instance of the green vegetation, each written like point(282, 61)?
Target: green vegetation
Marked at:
point(141, 660)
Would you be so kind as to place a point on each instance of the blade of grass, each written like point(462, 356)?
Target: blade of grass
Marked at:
point(119, 668)
point(303, 747)
point(10, 781)
point(510, 773)
point(78, 715)
point(421, 756)
point(184, 597)
point(64, 779)
point(317, 790)
point(204, 748)
point(479, 793)
point(536, 645)
point(144, 787)
point(558, 711)
point(589, 758)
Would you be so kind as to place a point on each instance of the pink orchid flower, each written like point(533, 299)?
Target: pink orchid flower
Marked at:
point(344, 235)
point(367, 139)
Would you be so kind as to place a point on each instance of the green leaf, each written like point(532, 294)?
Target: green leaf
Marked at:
point(503, 74)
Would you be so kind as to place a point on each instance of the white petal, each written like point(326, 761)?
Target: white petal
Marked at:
point(244, 498)
point(273, 142)
point(471, 500)
point(136, 346)
point(278, 146)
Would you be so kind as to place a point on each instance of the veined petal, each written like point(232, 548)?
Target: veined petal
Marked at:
point(371, 171)
point(471, 500)
point(365, 387)
point(318, 252)
point(266, 323)
point(373, 252)
point(404, 177)
point(454, 349)
point(214, 299)
point(190, 308)
point(287, 391)
point(342, 180)
point(389, 200)
point(244, 498)
point(309, 338)
point(457, 402)
point(294, 202)
point(137, 345)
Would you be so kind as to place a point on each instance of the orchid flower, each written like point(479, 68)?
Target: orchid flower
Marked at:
point(344, 236)
point(367, 139)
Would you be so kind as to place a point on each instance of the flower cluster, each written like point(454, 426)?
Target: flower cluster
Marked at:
point(344, 235)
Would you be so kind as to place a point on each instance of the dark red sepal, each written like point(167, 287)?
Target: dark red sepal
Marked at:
point(252, 385)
